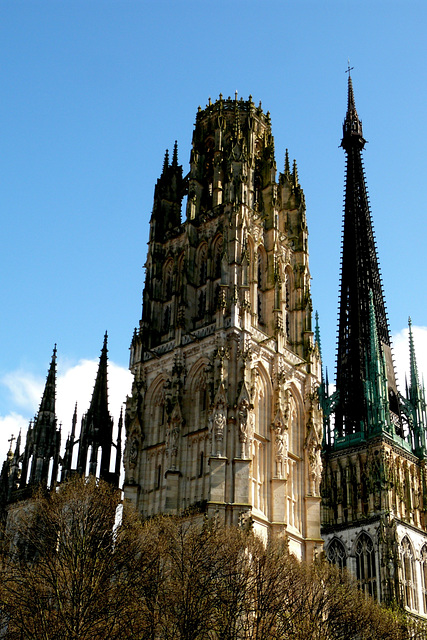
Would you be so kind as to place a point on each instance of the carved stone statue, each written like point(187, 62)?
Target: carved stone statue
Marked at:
point(244, 425)
point(219, 422)
point(280, 450)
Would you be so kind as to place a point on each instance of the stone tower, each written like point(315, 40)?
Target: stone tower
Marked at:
point(224, 417)
point(374, 494)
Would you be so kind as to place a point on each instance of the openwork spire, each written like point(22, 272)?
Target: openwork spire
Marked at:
point(360, 275)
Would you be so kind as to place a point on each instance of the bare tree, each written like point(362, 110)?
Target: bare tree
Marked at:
point(72, 570)
point(64, 560)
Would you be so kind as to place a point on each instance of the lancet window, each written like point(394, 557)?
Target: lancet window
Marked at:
point(202, 265)
point(365, 564)
point(261, 280)
point(336, 553)
point(168, 280)
point(218, 249)
point(199, 395)
point(408, 574)
point(423, 562)
point(156, 419)
point(260, 470)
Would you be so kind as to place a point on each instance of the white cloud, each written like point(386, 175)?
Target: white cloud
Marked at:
point(25, 389)
point(74, 384)
point(400, 342)
point(10, 425)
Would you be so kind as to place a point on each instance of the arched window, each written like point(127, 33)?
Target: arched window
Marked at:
point(261, 281)
point(180, 273)
point(198, 398)
point(423, 561)
point(336, 553)
point(217, 258)
point(157, 419)
point(365, 564)
point(201, 304)
point(209, 165)
point(296, 431)
point(168, 280)
point(288, 301)
point(260, 269)
point(408, 574)
point(259, 467)
point(166, 318)
point(202, 265)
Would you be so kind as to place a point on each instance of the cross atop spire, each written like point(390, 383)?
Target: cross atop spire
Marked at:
point(348, 67)
point(352, 127)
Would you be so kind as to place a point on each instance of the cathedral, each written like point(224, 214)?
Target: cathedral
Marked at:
point(230, 415)
point(224, 414)
point(374, 492)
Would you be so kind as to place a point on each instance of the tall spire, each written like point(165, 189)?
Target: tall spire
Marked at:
point(415, 402)
point(360, 275)
point(44, 441)
point(352, 127)
point(96, 436)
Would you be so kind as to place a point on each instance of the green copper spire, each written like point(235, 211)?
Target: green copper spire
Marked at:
point(376, 388)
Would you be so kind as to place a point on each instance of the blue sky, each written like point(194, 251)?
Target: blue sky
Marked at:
point(93, 92)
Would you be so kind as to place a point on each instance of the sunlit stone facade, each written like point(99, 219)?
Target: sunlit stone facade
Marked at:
point(224, 417)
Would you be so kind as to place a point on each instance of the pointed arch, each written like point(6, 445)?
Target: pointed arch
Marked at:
point(218, 249)
point(295, 409)
point(409, 580)
point(198, 396)
point(180, 272)
point(423, 565)
point(261, 280)
point(336, 553)
point(289, 288)
point(202, 264)
point(296, 473)
point(261, 457)
point(155, 411)
point(167, 279)
point(263, 393)
point(365, 564)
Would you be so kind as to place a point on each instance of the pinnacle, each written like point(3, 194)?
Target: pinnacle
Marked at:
point(295, 174)
point(166, 161)
point(287, 166)
point(175, 154)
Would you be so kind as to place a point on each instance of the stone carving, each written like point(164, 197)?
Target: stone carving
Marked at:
point(217, 422)
point(173, 430)
point(244, 417)
point(219, 426)
point(245, 421)
point(281, 451)
point(313, 447)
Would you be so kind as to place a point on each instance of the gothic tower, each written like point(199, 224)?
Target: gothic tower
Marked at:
point(374, 494)
point(224, 417)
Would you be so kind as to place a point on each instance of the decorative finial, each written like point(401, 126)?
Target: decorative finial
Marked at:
point(348, 67)
point(175, 154)
point(11, 440)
